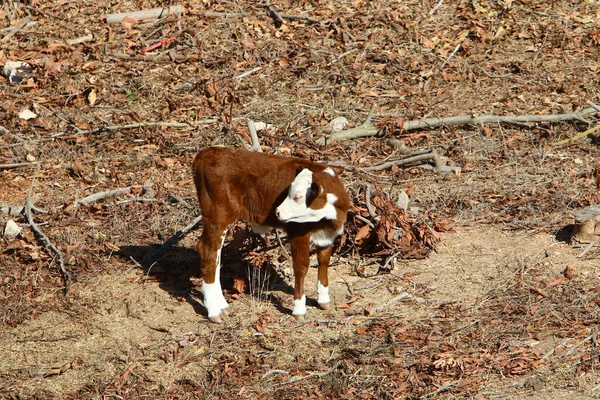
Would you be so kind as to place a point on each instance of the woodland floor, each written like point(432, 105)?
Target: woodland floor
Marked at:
point(478, 295)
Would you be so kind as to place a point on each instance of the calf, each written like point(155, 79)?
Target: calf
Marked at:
point(304, 198)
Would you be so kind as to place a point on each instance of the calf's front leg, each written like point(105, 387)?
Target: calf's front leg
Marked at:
point(323, 257)
point(300, 260)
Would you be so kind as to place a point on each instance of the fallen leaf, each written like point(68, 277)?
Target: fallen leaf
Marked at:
point(568, 272)
point(27, 114)
point(92, 97)
point(561, 280)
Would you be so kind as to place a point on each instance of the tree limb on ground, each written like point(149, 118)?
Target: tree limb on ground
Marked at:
point(416, 158)
point(153, 13)
point(368, 129)
point(28, 206)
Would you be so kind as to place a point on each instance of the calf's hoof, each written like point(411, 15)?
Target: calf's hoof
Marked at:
point(216, 319)
point(325, 306)
point(299, 317)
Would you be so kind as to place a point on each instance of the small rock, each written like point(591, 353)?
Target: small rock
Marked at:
point(338, 124)
point(11, 229)
point(403, 200)
point(261, 126)
point(16, 71)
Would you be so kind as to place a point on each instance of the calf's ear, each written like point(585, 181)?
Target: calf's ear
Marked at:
point(312, 193)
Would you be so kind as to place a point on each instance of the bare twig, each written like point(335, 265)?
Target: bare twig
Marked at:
point(28, 206)
point(153, 13)
point(245, 74)
point(17, 165)
point(577, 137)
point(391, 301)
point(254, 136)
point(15, 29)
point(437, 6)
point(142, 125)
point(592, 338)
point(311, 375)
point(17, 210)
point(274, 371)
point(57, 115)
point(440, 390)
point(370, 208)
point(103, 195)
point(416, 158)
point(171, 241)
point(82, 39)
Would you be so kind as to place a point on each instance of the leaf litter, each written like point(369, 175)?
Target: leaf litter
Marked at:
point(136, 332)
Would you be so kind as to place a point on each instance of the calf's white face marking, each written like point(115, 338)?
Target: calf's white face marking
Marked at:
point(295, 208)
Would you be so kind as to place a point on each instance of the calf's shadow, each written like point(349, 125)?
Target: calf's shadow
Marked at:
point(176, 269)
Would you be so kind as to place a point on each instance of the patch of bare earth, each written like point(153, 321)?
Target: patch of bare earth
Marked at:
point(472, 293)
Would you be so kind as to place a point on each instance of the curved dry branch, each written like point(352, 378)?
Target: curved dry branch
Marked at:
point(368, 129)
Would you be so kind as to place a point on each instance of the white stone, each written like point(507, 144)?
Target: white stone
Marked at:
point(338, 124)
point(11, 229)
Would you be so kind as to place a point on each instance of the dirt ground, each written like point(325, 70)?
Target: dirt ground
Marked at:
point(474, 292)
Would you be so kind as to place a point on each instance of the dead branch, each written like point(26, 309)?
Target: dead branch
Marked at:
point(368, 129)
point(17, 165)
point(414, 159)
point(171, 241)
point(245, 74)
point(152, 13)
point(312, 374)
point(142, 125)
point(81, 39)
point(391, 301)
point(274, 371)
point(363, 130)
point(105, 194)
point(15, 29)
point(440, 390)
point(28, 206)
point(17, 210)
point(370, 208)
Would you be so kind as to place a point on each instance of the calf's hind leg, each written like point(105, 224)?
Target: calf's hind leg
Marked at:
point(209, 252)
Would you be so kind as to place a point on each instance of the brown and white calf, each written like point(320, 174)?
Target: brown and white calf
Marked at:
point(304, 198)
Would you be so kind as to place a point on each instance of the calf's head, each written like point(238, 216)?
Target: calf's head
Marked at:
point(306, 201)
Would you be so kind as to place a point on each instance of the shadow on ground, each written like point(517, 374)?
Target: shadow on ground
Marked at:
point(177, 271)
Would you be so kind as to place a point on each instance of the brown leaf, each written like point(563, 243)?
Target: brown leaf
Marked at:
point(361, 234)
point(568, 272)
point(561, 280)
point(239, 284)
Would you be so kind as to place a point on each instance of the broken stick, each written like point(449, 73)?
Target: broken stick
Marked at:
point(28, 206)
point(368, 129)
point(153, 13)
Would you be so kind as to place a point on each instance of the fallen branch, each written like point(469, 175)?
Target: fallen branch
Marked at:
point(370, 208)
point(17, 165)
point(390, 302)
point(171, 241)
point(17, 210)
point(142, 125)
point(103, 195)
point(311, 375)
point(15, 29)
point(28, 206)
point(153, 13)
point(416, 158)
point(368, 129)
point(440, 390)
point(82, 39)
